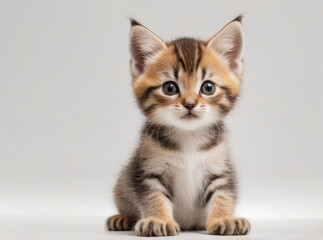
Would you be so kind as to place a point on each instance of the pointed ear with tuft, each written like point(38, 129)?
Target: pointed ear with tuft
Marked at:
point(144, 45)
point(228, 42)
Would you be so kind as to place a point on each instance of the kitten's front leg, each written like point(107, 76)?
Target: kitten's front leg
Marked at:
point(220, 220)
point(157, 219)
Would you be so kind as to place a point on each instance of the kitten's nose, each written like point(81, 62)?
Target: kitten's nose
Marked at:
point(189, 106)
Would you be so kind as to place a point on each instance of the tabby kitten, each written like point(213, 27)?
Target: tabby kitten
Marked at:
point(180, 177)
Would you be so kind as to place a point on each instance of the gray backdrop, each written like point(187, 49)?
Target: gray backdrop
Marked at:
point(68, 119)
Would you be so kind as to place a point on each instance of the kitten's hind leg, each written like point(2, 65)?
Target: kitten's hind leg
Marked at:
point(120, 222)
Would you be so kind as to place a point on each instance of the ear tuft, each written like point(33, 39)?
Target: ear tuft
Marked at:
point(228, 43)
point(134, 22)
point(238, 19)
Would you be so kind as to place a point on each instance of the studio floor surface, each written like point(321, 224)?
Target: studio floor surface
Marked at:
point(92, 228)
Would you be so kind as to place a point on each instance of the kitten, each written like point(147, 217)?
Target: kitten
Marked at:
point(180, 177)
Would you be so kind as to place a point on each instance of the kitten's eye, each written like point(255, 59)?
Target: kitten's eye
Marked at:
point(208, 88)
point(170, 88)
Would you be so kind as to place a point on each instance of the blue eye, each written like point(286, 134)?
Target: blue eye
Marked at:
point(170, 88)
point(208, 88)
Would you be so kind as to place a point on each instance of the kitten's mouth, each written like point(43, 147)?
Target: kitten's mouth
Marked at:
point(189, 116)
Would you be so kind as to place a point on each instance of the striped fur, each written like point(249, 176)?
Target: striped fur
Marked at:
point(180, 177)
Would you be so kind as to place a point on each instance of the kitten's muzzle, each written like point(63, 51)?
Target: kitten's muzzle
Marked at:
point(189, 115)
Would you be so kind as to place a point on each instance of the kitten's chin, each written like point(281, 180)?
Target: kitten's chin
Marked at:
point(188, 123)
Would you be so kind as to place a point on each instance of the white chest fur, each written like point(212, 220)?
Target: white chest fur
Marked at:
point(188, 179)
point(190, 168)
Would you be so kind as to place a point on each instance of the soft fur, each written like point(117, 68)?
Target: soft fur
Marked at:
point(180, 177)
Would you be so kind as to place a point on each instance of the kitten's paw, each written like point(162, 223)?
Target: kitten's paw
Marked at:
point(119, 222)
point(228, 226)
point(152, 226)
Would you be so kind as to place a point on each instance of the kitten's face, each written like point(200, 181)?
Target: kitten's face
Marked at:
point(186, 83)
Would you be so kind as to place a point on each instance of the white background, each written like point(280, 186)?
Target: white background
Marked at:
point(68, 119)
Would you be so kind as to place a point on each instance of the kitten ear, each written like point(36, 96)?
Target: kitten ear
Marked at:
point(228, 42)
point(144, 45)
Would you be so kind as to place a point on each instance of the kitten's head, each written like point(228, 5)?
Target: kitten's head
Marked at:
point(186, 83)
